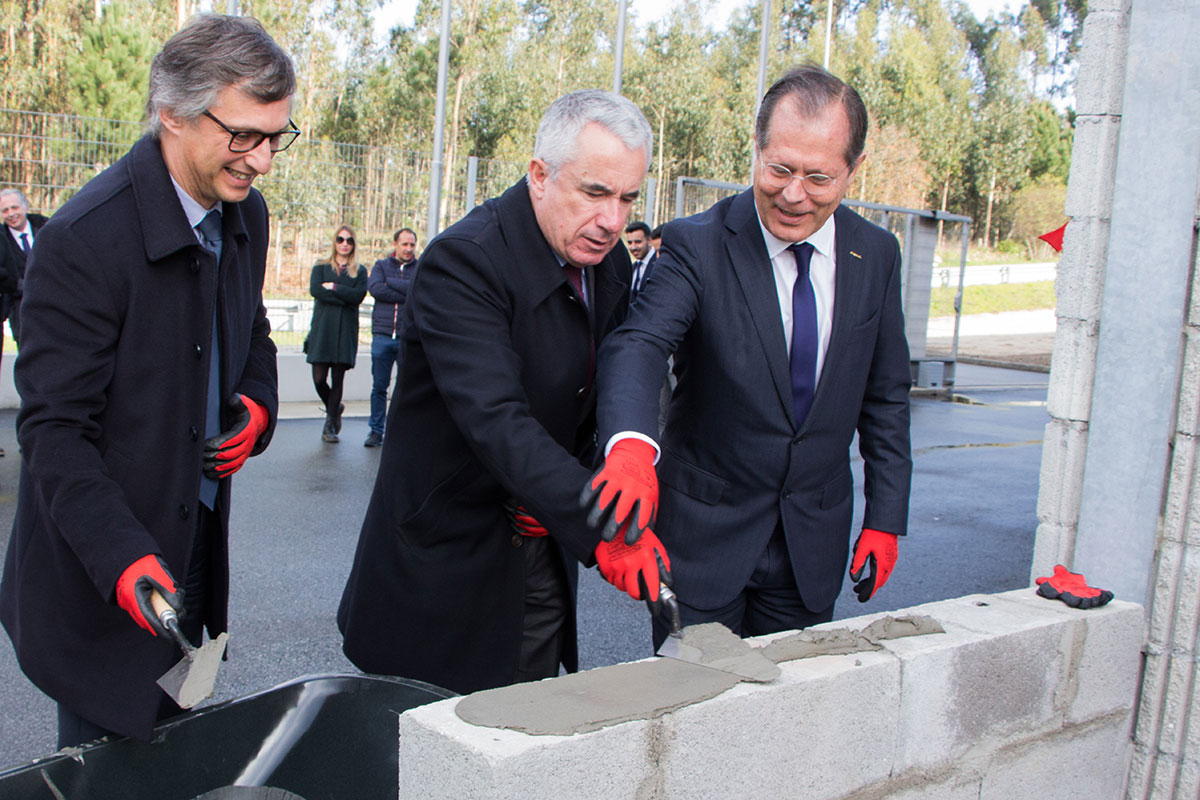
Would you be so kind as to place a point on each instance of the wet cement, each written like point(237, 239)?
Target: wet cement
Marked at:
point(589, 701)
point(715, 646)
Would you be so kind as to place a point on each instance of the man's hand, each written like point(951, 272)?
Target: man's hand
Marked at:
point(225, 453)
point(626, 488)
point(1072, 589)
point(138, 582)
point(522, 521)
point(635, 568)
point(878, 549)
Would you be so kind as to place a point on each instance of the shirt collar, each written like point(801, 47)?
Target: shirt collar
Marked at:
point(822, 240)
point(194, 211)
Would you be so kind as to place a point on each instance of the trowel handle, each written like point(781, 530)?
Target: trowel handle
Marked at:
point(169, 619)
point(668, 601)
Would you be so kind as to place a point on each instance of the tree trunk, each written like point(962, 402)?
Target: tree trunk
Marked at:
point(987, 225)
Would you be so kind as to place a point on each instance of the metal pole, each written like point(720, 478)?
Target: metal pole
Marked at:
point(472, 176)
point(651, 185)
point(619, 61)
point(828, 30)
point(439, 128)
point(763, 50)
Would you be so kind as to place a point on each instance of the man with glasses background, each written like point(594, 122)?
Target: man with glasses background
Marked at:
point(783, 311)
point(147, 378)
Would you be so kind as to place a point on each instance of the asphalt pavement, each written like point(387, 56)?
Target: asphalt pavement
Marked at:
point(298, 507)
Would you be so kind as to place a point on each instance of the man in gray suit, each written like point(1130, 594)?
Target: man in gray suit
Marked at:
point(783, 312)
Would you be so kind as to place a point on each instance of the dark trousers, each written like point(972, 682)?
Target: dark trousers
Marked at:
point(385, 354)
point(75, 730)
point(547, 598)
point(770, 602)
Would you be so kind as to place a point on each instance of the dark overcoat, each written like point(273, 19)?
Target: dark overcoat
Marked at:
point(734, 463)
point(497, 403)
point(333, 334)
point(113, 370)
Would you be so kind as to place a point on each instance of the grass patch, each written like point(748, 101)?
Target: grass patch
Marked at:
point(989, 299)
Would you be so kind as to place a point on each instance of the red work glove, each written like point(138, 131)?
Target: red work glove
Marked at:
point(879, 550)
point(141, 579)
point(522, 521)
point(225, 453)
point(1072, 589)
point(635, 568)
point(626, 477)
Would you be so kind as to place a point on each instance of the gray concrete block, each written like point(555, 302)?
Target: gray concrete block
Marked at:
point(1084, 761)
point(1167, 577)
point(1180, 507)
point(956, 787)
point(950, 682)
point(1100, 81)
point(825, 728)
point(1093, 165)
point(443, 757)
point(1079, 282)
point(1188, 411)
point(1104, 667)
point(1073, 370)
point(1060, 485)
point(1053, 544)
point(1140, 770)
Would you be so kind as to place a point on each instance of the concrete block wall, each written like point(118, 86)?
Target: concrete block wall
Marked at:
point(1080, 282)
point(1020, 697)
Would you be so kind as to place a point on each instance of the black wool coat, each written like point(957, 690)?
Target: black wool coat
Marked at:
point(113, 370)
point(497, 403)
point(333, 334)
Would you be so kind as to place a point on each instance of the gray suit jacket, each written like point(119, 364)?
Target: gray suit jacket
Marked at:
point(734, 464)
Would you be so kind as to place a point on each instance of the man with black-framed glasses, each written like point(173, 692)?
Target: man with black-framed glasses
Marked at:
point(147, 378)
point(783, 311)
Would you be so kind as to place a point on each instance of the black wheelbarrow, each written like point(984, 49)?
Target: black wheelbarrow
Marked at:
point(317, 737)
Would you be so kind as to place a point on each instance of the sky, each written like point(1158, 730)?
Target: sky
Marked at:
point(402, 11)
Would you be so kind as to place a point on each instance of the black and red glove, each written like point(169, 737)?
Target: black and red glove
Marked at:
point(1072, 589)
point(522, 521)
point(636, 569)
point(136, 585)
point(225, 453)
point(625, 488)
point(879, 550)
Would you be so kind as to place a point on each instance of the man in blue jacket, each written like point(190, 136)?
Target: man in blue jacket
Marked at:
point(147, 377)
point(388, 284)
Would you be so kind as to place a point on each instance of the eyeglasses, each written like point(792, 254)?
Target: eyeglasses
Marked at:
point(344, 239)
point(245, 141)
point(778, 177)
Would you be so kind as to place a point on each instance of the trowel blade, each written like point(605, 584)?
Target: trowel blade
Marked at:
point(714, 646)
point(193, 678)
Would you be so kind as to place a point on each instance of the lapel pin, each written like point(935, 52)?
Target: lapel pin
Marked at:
point(856, 255)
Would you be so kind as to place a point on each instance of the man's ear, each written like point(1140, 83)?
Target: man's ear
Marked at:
point(857, 163)
point(170, 121)
point(539, 173)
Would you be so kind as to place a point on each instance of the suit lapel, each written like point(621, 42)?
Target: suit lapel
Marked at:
point(752, 267)
point(847, 293)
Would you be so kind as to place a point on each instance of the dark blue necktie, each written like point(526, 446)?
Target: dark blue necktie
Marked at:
point(25, 243)
point(804, 334)
point(210, 237)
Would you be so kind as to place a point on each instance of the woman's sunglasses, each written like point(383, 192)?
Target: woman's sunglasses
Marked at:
point(344, 239)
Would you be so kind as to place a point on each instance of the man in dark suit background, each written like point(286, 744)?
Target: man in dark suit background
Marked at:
point(455, 580)
point(21, 228)
point(637, 239)
point(783, 351)
point(147, 377)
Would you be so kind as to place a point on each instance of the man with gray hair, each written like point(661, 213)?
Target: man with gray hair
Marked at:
point(147, 378)
point(455, 582)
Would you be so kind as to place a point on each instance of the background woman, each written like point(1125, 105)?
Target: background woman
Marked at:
point(339, 286)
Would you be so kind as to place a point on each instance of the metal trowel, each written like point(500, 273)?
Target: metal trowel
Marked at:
point(193, 678)
point(710, 645)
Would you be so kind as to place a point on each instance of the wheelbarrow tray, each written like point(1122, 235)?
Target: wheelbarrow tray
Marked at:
point(318, 736)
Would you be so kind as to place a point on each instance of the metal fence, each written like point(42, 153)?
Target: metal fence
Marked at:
point(312, 188)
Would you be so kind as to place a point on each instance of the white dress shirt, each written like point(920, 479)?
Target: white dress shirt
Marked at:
point(821, 271)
